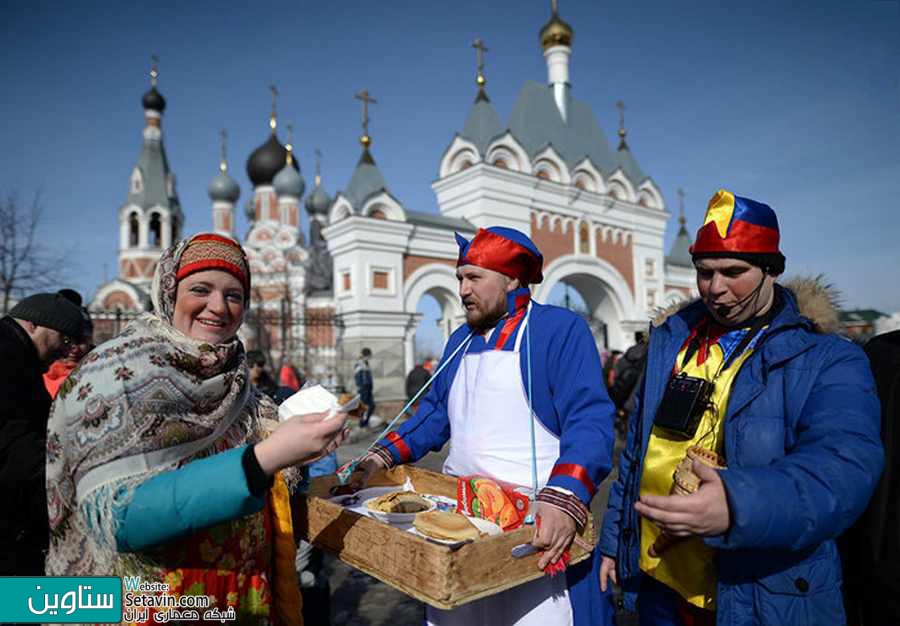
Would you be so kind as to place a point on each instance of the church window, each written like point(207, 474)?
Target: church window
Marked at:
point(380, 279)
point(649, 268)
point(643, 202)
point(137, 182)
point(651, 298)
point(345, 281)
point(133, 230)
point(614, 194)
point(466, 165)
point(543, 174)
point(579, 182)
point(378, 214)
point(584, 245)
point(155, 233)
point(501, 162)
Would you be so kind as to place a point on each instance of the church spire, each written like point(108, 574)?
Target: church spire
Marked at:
point(556, 41)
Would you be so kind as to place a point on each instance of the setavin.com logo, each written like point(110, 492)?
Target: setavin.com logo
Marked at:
point(61, 599)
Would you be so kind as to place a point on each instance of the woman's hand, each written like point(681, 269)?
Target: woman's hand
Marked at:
point(607, 571)
point(300, 440)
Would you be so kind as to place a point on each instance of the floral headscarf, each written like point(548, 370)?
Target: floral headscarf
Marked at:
point(139, 397)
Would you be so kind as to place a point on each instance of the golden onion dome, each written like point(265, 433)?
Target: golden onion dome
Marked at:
point(556, 32)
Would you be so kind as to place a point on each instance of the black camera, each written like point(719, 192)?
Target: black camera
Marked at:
point(683, 404)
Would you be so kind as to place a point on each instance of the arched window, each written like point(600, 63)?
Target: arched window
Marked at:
point(133, 230)
point(584, 244)
point(543, 174)
point(378, 214)
point(155, 234)
point(501, 162)
point(579, 182)
point(465, 165)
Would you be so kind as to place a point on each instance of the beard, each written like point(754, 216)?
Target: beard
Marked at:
point(484, 315)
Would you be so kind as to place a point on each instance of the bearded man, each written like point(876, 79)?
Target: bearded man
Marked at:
point(480, 404)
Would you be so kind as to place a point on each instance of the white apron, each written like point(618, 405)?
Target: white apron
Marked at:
point(490, 436)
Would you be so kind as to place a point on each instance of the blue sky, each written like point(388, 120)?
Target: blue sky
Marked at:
point(791, 103)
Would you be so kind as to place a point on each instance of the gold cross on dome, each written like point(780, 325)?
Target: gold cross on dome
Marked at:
point(272, 120)
point(366, 99)
point(480, 49)
point(223, 164)
point(681, 205)
point(154, 69)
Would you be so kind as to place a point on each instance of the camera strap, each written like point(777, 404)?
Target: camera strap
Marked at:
point(694, 345)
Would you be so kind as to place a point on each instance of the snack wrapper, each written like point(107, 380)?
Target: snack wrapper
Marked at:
point(496, 501)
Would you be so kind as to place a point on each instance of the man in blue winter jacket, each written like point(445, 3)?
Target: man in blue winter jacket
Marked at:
point(754, 444)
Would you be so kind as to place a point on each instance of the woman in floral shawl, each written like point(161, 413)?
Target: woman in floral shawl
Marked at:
point(158, 463)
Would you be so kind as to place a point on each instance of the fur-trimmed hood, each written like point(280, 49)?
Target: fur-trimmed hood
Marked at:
point(817, 300)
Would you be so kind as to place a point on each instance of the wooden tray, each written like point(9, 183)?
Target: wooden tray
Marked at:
point(445, 577)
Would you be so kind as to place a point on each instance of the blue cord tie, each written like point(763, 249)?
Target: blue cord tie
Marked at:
point(346, 471)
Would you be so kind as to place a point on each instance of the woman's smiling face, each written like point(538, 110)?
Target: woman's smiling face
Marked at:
point(209, 306)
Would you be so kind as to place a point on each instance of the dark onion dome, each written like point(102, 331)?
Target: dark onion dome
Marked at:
point(266, 161)
point(556, 32)
point(317, 202)
point(223, 188)
point(153, 101)
point(288, 182)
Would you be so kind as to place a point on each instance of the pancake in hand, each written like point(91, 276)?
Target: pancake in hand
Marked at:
point(360, 409)
point(399, 502)
point(446, 526)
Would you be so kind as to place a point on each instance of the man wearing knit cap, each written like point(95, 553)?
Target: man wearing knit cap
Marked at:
point(521, 401)
point(754, 444)
point(36, 331)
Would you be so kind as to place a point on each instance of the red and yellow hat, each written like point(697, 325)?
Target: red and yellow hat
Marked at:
point(736, 226)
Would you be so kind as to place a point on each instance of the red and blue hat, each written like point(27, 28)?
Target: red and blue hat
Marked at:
point(503, 250)
point(737, 227)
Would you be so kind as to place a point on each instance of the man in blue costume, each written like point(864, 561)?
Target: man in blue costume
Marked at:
point(752, 378)
point(480, 404)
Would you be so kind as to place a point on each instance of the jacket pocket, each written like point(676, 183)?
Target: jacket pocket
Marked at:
point(808, 593)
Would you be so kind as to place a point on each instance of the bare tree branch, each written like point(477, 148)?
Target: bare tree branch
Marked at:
point(27, 264)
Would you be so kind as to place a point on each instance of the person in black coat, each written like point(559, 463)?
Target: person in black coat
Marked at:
point(36, 332)
point(870, 550)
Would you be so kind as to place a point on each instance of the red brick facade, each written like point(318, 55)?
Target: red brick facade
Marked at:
point(553, 242)
point(618, 253)
point(412, 262)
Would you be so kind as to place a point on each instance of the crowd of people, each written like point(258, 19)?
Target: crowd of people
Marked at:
point(754, 440)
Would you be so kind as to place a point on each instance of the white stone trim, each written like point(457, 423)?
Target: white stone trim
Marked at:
point(384, 202)
point(340, 209)
point(547, 160)
point(460, 149)
point(511, 151)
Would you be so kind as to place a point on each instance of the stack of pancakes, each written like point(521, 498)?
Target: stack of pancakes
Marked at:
point(446, 526)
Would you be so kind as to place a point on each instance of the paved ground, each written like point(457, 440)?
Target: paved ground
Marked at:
point(358, 599)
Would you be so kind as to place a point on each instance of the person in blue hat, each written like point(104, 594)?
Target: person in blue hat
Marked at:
point(480, 403)
point(754, 444)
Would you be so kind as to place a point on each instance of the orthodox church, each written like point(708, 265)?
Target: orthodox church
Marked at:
point(549, 171)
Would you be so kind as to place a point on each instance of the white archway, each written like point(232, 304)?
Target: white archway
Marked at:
point(603, 289)
point(438, 281)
